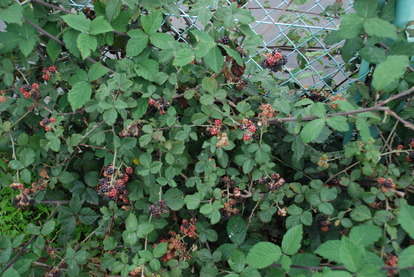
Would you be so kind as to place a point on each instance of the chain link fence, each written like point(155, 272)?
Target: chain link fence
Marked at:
point(298, 29)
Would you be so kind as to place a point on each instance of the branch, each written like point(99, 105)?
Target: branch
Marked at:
point(42, 31)
point(312, 117)
point(29, 241)
point(339, 267)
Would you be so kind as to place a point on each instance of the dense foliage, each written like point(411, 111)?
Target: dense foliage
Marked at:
point(131, 148)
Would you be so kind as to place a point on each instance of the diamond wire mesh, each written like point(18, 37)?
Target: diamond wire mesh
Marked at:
point(297, 30)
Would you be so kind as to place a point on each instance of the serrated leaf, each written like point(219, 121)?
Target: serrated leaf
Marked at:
point(263, 254)
point(86, 43)
point(351, 26)
point(237, 230)
point(48, 227)
point(137, 42)
point(312, 130)
point(144, 229)
point(147, 69)
point(112, 9)
point(329, 250)
point(352, 256)
point(318, 109)
point(338, 123)
point(372, 54)
point(174, 198)
point(79, 94)
point(152, 22)
point(366, 8)
point(389, 71)
point(292, 239)
point(99, 26)
point(406, 257)
point(183, 57)
point(406, 219)
point(13, 14)
point(361, 213)
point(110, 116)
point(214, 59)
point(365, 235)
point(53, 49)
point(160, 250)
point(380, 28)
point(78, 22)
point(96, 71)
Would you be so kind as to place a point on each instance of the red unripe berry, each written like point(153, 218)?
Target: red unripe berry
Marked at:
point(52, 120)
point(35, 86)
point(46, 77)
point(52, 68)
point(400, 147)
point(277, 56)
point(129, 170)
point(47, 128)
point(45, 71)
point(381, 180)
point(113, 193)
point(2, 99)
point(252, 128)
point(126, 178)
point(217, 122)
point(26, 94)
point(162, 112)
point(42, 123)
point(325, 228)
point(152, 102)
point(246, 137)
point(214, 131)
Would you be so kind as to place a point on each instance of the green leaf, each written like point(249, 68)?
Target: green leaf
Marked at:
point(214, 59)
point(152, 22)
point(406, 219)
point(363, 129)
point(78, 22)
point(351, 255)
point(86, 43)
point(372, 54)
point(263, 254)
point(48, 227)
point(406, 257)
point(96, 71)
point(79, 94)
point(312, 130)
point(318, 109)
point(147, 69)
point(144, 229)
point(110, 116)
point(209, 84)
point(329, 250)
point(338, 123)
point(70, 38)
point(131, 223)
point(361, 213)
point(237, 230)
point(351, 26)
point(137, 42)
point(53, 49)
point(389, 71)
point(174, 198)
point(112, 10)
point(88, 216)
point(11, 272)
point(380, 28)
point(183, 57)
point(13, 14)
point(192, 201)
point(292, 239)
point(365, 235)
point(350, 48)
point(366, 8)
point(99, 26)
point(160, 250)
point(33, 229)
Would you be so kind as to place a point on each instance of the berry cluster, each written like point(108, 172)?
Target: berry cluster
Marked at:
point(240, 84)
point(45, 123)
point(188, 227)
point(267, 113)
point(176, 247)
point(410, 157)
point(248, 126)
point(223, 140)
point(160, 104)
point(324, 222)
point(335, 98)
point(274, 61)
point(274, 182)
point(25, 198)
point(386, 184)
point(132, 130)
point(229, 210)
point(316, 96)
point(282, 211)
point(113, 186)
point(158, 208)
point(224, 40)
point(22, 200)
point(217, 128)
point(90, 14)
point(2, 97)
point(323, 161)
point(228, 182)
point(392, 261)
point(30, 91)
point(47, 72)
point(411, 142)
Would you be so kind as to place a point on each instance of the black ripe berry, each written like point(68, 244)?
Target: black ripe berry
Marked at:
point(224, 40)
